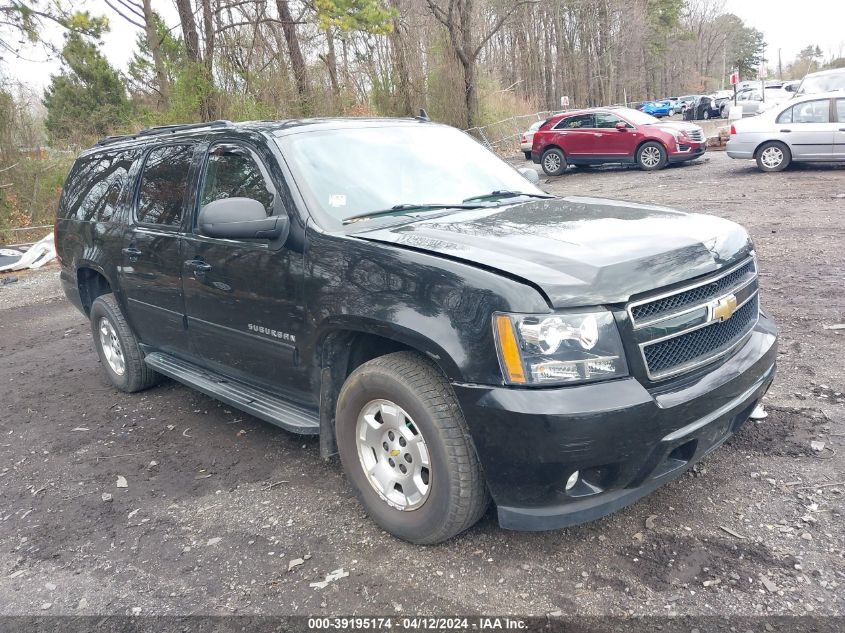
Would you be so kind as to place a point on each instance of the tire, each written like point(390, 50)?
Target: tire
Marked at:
point(706, 115)
point(425, 409)
point(773, 156)
point(652, 156)
point(117, 346)
point(527, 155)
point(553, 162)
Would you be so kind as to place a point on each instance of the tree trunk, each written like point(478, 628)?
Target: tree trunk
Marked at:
point(295, 52)
point(331, 63)
point(155, 50)
point(189, 29)
point(401, 65)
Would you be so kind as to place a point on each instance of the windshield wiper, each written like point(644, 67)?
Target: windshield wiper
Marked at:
point(400, 209)
point(504, 193)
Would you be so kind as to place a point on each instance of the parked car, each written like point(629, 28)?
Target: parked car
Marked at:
point(449, 329)
point(614, 135)
point(753, 101)
point(683, 103)
point(704, 107)
point(527, 139)
point(657, 109)
point(822, 81)
point(807, 128)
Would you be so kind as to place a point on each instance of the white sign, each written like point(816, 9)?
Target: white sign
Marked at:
point(564, 101)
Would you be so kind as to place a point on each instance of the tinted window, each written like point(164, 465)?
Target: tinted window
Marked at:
point(785, 116)
point(233, 172)
point(606, 120)
point(811, 112)
point(94, 185)
point(576, 122)
point(840, 110)
point(164, 182)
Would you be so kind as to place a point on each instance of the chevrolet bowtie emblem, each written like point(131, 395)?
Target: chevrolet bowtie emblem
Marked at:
point(723, 308)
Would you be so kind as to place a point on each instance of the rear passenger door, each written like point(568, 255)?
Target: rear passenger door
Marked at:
point(243, 298)
point(576, 135)
point(151, 257)
point(808, 129)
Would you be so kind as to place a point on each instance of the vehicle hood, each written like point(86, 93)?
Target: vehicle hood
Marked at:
point(680, 126)
point(578, 251)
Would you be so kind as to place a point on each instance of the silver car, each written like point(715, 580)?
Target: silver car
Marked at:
point(527, 138)
point(807, 128)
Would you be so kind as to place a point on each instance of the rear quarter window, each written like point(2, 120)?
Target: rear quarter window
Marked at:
point(94, 186)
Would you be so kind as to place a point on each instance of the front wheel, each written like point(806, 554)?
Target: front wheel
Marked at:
point(553, 162)
point(651, 156)
point(405, 448)
point(773, 156)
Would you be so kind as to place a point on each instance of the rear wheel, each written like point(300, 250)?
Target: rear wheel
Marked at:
point(553, 162)
point(773, 156)
point(527, 155)
point(651, 156)
point(118, 348)
point(405, 448)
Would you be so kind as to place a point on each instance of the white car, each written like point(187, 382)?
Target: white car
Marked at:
point(807, 128)
point(822, 81)
point(527, 138)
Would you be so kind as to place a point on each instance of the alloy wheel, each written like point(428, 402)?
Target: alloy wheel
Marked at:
point(393, 454)
point(650, 156)
point(111, 347)
point(551, 162)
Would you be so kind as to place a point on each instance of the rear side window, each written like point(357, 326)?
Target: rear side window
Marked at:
point(576, 122)
point(811, 112)
point(161, 195)
point(93, 188)
point(840, 110)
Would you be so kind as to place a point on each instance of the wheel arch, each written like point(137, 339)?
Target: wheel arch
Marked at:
point(771, 140)
point(650, 140)
point(91, 282)
point(341, 348)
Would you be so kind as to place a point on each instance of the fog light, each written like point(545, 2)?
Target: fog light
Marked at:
point(573, 479)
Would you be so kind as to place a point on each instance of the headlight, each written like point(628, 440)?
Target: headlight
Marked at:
point(558, 348)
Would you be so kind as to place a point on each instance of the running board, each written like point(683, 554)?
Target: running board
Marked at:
point(262, 405)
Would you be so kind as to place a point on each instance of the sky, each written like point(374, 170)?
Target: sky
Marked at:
point(786, 24)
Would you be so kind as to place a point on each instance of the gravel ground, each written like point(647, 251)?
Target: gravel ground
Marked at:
point(217, 504)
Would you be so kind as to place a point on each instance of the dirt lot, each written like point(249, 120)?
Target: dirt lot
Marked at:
point(218, 503)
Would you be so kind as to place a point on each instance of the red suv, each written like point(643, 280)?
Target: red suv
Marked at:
point(614, 135)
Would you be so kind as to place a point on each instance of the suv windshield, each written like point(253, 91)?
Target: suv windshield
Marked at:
point(636, 117)
point(814, 84)
point(357, 171)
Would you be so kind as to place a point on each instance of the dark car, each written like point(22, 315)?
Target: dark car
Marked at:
point(703, 108)
point(614, 135)
point(453, 332)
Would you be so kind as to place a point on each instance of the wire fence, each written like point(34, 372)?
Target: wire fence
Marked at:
point(22, 233)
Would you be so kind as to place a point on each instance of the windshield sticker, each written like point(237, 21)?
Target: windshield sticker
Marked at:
point(337, 200)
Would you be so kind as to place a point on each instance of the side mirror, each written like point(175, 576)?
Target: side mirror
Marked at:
point(621, 126)
point(529, 174)
point(241, 219)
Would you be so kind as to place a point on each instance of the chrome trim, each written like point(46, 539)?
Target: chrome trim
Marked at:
point(638, 325)
point(680, 369)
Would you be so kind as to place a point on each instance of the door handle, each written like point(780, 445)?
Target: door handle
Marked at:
point(786, 130)
point(198, 266)
point(132, 253)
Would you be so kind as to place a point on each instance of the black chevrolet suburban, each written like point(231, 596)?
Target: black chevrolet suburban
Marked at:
point(448, 328)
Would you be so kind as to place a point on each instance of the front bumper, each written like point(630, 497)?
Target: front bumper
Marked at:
point(625, 440)
point(695, 150)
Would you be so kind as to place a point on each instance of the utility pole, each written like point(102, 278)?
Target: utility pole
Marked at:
point(724, 63)
point(780, 66)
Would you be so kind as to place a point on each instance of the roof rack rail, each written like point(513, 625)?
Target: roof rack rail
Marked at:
point(163, 129)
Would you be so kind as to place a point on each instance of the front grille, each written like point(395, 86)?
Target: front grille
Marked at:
point(665, 306)
point(696, 135)
point(695, 347)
